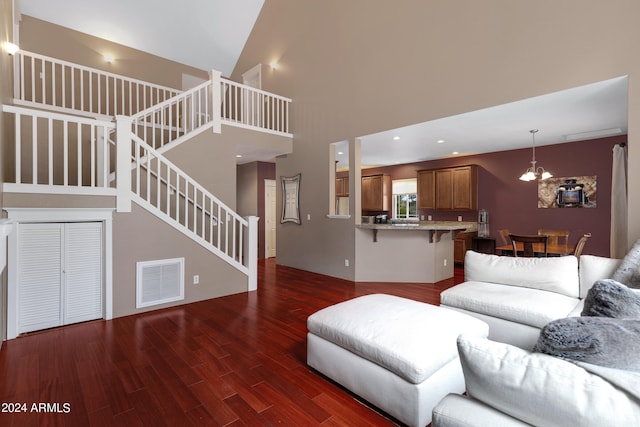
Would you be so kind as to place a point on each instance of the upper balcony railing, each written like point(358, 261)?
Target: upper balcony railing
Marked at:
point(252, 108)
point(41, 81)
point(50, 83)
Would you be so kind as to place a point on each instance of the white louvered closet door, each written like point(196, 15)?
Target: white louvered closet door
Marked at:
point(82, 272)
point(60, 274)
point(39, 276)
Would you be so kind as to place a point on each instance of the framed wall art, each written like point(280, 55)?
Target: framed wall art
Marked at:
point(568, 192)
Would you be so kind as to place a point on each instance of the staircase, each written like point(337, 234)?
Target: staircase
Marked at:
point(83, 131)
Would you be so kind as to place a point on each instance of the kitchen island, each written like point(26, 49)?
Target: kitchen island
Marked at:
point(407, 252)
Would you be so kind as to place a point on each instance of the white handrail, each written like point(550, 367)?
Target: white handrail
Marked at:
point(67, 87)
point(53, 149)
point(167, 123)
point(252, 108)
point(168, 192)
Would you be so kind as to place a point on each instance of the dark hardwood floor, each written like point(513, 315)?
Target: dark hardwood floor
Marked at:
point(237, 360)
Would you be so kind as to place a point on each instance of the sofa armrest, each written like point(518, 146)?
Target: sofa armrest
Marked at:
point(540, 389)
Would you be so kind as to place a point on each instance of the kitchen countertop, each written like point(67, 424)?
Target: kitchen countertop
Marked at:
point(435, 228)
point(424, 225)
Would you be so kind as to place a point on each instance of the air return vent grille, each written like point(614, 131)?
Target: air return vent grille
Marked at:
point(159, 282)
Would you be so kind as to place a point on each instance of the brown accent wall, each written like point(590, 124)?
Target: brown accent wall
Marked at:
point(513, 204)
point(363, 66)
point(250, 183)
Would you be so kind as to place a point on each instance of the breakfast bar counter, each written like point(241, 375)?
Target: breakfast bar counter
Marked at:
point(407, 252)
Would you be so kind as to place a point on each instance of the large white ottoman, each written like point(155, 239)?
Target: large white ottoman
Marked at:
point(398, 354)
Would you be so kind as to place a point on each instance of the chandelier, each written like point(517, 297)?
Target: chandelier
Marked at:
point(534, 172)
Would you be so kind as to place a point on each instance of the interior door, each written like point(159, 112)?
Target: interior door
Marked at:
point(39, 276)
point(83, 272)
point(270, 218)
point(60, 274)
point(252, 101)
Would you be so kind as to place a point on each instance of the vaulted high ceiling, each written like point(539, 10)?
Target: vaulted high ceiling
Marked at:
point(206, 34)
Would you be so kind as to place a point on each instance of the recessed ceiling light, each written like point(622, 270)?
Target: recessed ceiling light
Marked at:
point(440, 141)
point(340, 153)
point(455, 152)
point(395, 138)
point(238, 155)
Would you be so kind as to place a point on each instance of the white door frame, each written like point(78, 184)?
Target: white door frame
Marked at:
point(269, 217)
point(26, 215)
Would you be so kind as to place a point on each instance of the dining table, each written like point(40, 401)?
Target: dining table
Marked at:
point(559, 249)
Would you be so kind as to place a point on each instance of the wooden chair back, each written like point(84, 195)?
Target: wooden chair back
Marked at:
point(527, 243)
point(580, 244)
point(555, 236)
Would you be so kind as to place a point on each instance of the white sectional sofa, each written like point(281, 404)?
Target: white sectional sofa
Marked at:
point(506, 383)
point(516, 297)
point(511, 387)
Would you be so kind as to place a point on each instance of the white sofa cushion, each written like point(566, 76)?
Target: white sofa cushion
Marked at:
point(593, 268)
point(409, 338)
point(521, 305)
point(554, 274)
point(541, 389)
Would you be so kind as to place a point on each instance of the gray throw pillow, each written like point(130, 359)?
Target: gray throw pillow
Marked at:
point(608, 298)
point(614, 343)
point(629, 270)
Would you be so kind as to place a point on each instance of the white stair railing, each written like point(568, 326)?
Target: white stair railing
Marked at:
point(42, 81)
point(58, 153)
point(252, 108)
point(170, 122)
point(169, 193)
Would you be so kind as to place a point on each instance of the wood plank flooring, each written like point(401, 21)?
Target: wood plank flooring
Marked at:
point(232, 361)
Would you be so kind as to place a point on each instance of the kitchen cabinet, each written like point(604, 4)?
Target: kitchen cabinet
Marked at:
point(426, 189)
point(461, 244)
point(342, 187)
point(376, 193)
point(448, 188)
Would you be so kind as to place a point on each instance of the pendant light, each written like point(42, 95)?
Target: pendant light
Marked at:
point(532, 172)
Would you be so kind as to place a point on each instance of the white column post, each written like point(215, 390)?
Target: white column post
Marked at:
point(123, 163)
point(102, 174)
point(216, 100)
point(252, 253)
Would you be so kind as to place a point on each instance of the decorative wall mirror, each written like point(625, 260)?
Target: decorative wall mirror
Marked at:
point(290, 199)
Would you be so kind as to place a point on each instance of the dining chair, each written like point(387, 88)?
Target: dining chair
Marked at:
point(555, 236)
point(504, 237)
point(527, 244)
point(580, 245)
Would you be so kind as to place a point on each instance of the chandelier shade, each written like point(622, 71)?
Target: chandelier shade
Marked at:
point(532, 171)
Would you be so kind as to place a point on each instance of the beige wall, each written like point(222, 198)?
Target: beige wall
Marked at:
point(140, 236)
point(62, 43)
point(208, 157)
point(362, 66)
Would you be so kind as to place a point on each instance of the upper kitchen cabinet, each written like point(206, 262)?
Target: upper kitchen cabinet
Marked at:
point(376, 193)
point(427, 189)
point(448, 188)
point(342, 186)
